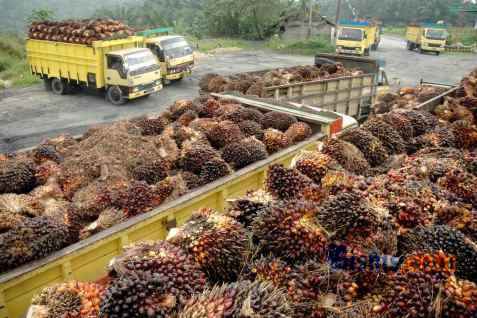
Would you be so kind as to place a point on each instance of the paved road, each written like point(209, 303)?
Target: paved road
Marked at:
point(29, 115)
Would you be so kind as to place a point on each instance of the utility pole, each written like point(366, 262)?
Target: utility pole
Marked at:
point(338, 14)
point(310, 19)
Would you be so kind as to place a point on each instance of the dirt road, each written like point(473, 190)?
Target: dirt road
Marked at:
point(29, 115)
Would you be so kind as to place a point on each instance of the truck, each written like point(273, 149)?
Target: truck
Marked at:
point(357, 37)
point(175, 54)
point(427, 37)
point(123, 68)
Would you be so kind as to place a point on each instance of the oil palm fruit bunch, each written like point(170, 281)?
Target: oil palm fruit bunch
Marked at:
point(16, 177)
point(244, 114)
point(459, 298)
point(44, 153)
point(213, 170)
point(271, 269)
point(409, 294)
point(401, 124)
point(188, 117)
point(193, 158)
point(247, 208)
point(264, 300)
point(245, 152)
point(289, 230)
point(389, 137)
point(278, 121)
point(203, 125)
point(180, 107)
point(347, 155)
point(298, 132)
point(211, 108)
point(438, 137)
point(347, 212)
point(45, 171)
point(106, 219)
point(371, 147)
point(151, 126)
point(421, 121)
point(35, 238)
point(450, 241)
point(458, 216)
point(218, 243)
point(285, 183)
point(275, 140)
point(151, 172)
point(191, 180)
point(315, 165)
point(251, 128)
point(226, 132)
point(437, 264)
point(461, 184)
point(466, 134)
point(137, 198)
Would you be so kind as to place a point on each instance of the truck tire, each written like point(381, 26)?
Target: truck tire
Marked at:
point(438, 53)
point(409, 46)
point(420, 50)
point(115, 96)
point(366, 52)
point(59, 86)
point(47, 84)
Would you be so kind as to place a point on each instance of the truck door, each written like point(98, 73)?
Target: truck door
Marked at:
point(116, 72)
point(159, 52)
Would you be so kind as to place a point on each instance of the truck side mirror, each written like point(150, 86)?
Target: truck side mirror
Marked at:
point(160, 54)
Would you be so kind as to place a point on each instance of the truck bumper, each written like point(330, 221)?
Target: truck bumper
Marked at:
point(176, 76)
point(433, 49)
point(351, 52)
point(138, 94)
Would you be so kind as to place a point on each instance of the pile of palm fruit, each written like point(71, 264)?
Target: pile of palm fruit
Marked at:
point(380, 222)
point(79, 31)
point(254, 83)
point(69, 189)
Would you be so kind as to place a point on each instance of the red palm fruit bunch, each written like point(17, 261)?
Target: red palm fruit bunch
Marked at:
point(461, 184)
point(289, 230)
point(401, 124)
point(437, 264)
point(371, 147)
point(137, 198)
point(247, 208)
point(459, 299)
point(316, 165)
point(218, 243)
point(285, 183)
point(458, 216)
point(347, 155)
point(299, 132)
point(275, 140)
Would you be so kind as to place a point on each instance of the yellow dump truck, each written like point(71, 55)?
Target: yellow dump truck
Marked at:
point(427, 37)
point(175, 54)
point(357, 37)
point(123, 68)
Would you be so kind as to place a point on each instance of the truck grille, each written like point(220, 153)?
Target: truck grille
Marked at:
point(349, 48)
point(434, 45)
point(145, 87)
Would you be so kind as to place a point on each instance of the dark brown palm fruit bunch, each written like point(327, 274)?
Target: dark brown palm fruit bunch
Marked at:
point(460, 184)
point(438, 137)
point(151, 126)
point(217, 84)
point(459, 299)
point(401, 124)
point(450, 241)
point(45, 171)
point(438, 264)
point(410, 294)
point(185, 135)
point(191, 180)
point(289, 230)
point(371, 147)
point(35, 239)
point(59, 301)
point(275, 140)
point(247, 208)
point(285, 183)
point(137, 198)
point(315, 165)
point(217, 302)
point(226, 132)
point(213, 170)
point(470, 161)
point(168, 189)
point(278, 121)
point(9, 221)
point(389, 137)
point(188, 117)
point(251, 128)
point(347, 155)
point(245, 152)
point(204, 81)
point(44, 153)
point(211, 109)
point(217, 243)
point(151, 172)
point(16, 177)
point(421, 121)
point(466, 135)
point(180, 107)
point(243, 114)
point(345, 213)
point(298, 132)
point(193, 159)
point(262, 299)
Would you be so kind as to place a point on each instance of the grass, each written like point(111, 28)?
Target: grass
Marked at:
point(208, 45)
point(466, 36)
point(307, 47)
point(13, 65)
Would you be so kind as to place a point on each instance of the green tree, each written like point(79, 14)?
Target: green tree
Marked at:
point(40, 15)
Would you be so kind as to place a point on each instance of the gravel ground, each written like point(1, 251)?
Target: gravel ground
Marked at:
point(29, 115)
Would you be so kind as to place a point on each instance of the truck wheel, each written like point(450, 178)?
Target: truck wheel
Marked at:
point(115, 96)
point(58, 86)
point(438, 53)
point(366, 52)
point(409, 46)
point(47, 84)
point(420, 50)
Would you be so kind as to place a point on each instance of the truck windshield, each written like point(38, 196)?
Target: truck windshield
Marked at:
point(348, 34)
point(139, 59)
point(176, 47)
point(434, 34)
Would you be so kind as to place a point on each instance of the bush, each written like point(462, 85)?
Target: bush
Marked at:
point(315, 45)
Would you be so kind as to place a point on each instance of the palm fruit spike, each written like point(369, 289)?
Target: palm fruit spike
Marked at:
point(245, 209)
point(299, 132)
point(388, 136)
point(347, 155)
point(460, 298)
point(371, 147)
point(226, 132)
point(286, 183)
point(247, 151)
point(278, 121)
point(264, 300)
point(289, 230)
point(408, 295)
point(275, 140)
point(218, 243)
point(437, 264)
point(251, 129)
point(347, 212)
point(16, 177)
point(316, 165)
point(450, 241)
